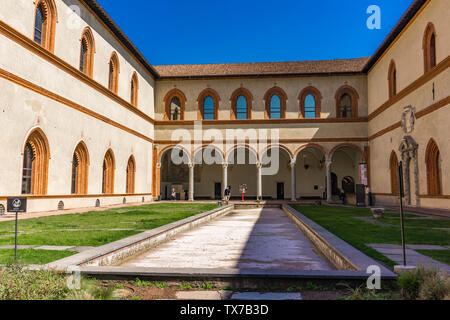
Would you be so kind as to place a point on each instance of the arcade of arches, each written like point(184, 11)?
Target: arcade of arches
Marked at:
point(310, 173)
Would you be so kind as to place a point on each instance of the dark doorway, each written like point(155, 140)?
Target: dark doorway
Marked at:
point(280, 191)
point(334, 185)
point(218, 190)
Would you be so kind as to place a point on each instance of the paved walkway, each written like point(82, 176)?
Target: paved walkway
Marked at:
point(395, 253)
point(245, 239)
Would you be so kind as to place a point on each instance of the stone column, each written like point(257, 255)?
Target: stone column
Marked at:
point(259, 181)
point(293, 181)
point(191, 182)
point(224, 178)
point(328, 163)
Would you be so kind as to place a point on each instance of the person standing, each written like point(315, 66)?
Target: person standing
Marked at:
point(228, 193)
point(174, 194)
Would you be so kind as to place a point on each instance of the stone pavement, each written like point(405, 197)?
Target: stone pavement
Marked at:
point(263, 239)
point(395, 253)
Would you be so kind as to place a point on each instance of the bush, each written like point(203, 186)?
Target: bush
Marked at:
point(424, 284)
point(19, 284)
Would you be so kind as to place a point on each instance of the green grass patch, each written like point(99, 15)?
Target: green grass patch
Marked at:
point(425, 223)
point(439, 255)
point(137, 218)
point(29, 256)
point(98, 227)
point(341, 222)
point(69, 238)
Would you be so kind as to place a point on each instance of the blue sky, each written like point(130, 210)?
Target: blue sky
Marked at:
point(224, 31)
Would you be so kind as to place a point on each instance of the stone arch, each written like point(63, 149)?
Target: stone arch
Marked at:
point(245, 146)
point(201, 150)
point(109, 166)
point(317, 97)
point(393, 168)
point(114, 70)
point(208, 92)
point(343, 145)
point(134, 92)
point(174, 93)
point(131, 175)
point(280, 146)
point(50, 18)
point(80, 169)
point(429, 47)
point(234, 97)
point(392, 79)
point(432, 161)
point(168, 148)
point(310, 145)
point(283, 98)
point(346, 89)
point(35, 174)
point(87, 57)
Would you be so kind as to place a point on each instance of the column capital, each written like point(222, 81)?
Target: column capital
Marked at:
point(292, 164)
point(225, 165)
point(158, 166)
point(328, 162)
point(191, 165)
point(258, 165)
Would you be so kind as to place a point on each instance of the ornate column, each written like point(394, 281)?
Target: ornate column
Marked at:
point(328, 163)
point(293, 181)
point(259, 181)
point(191, 181)
point(224, 178)
point(406, 177)
point(158, 181)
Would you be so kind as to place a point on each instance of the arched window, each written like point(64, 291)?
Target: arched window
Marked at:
point(208, 109)
point(114, 69)
point(208, 105)
point(108, 173)
point(134, 90)
point(175, 109)
point(393, 166)
point(27, 169)
point(241, 108)
point(80, 169)
point(131, 173)
point(433, 163)
point(87, 52)
point(429, 47)
point(347, 102)
point(310, 107)
point(241, 104)
point(275, 107)
point(310, 103)
point(275, 99)
point(392, 79)
point(175, 101)
point(35, 164)
point(45, 24)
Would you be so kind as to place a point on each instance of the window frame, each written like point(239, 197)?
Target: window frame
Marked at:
point(268, 102)
point(317, 97)
point(201, 103)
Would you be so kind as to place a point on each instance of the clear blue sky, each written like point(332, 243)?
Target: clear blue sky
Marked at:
point(223, 31)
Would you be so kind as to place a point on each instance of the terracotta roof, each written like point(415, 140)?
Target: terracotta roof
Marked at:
point(263, 68)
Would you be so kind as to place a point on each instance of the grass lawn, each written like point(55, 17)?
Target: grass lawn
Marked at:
point(98, 227)
point(444, 223)
point(439, 255)
point(28, 256)
point(358, 233)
